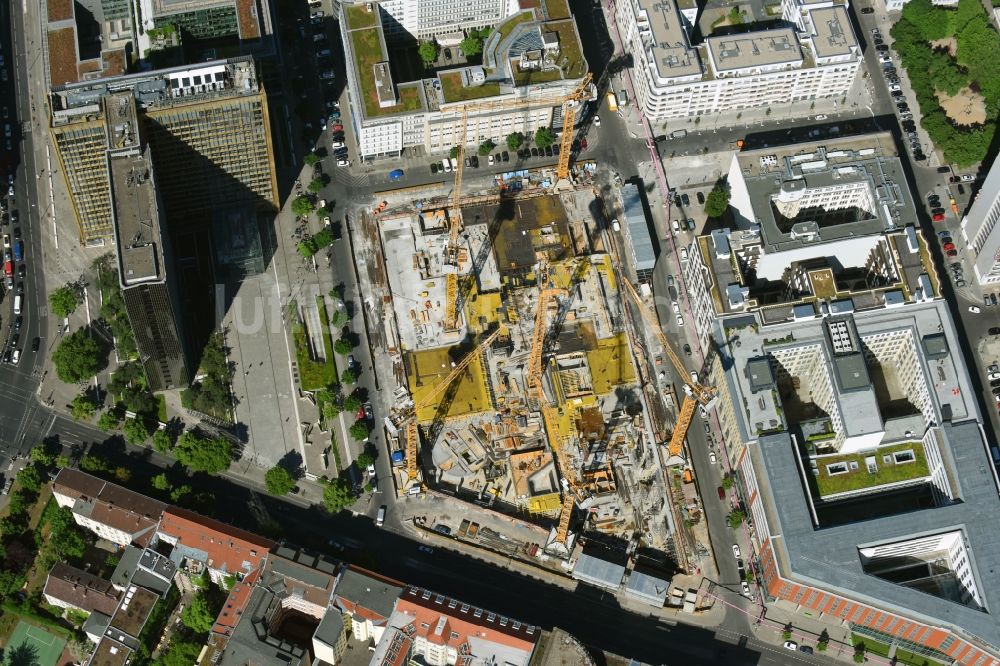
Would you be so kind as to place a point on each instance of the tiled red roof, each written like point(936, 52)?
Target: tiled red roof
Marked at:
point(81, 589)
point(111, 504)
point(227, 548)
point(236, 603)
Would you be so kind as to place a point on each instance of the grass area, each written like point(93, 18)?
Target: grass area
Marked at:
point(359, 17)
point(161, 408)
point(454, 91)
point(557, 9)
point(367, 49)
point(314, 373)
point(530, 76)
point(511, 23)
point(903, 657)
point(570, 51)
point(860, 478)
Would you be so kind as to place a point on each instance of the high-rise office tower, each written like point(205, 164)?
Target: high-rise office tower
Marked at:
point(148, 288)
point(207, 126)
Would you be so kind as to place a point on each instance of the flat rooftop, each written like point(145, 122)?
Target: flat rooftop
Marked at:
point(754, 49)
point(672, 55)
point(136, 605)
point(833, 35)
point(186, 84)
point(136, 217)
point(828, 556)
point(110, 653)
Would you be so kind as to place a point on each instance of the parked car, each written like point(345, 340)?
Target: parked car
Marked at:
point(701, 198)
point(685, 200)
point(736, 551)
point(937, 217)
point(791, 645)
point(949, 246)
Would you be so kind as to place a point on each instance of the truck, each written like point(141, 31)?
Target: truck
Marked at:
point(8, 271)
point(18, 250)
point(612, 102)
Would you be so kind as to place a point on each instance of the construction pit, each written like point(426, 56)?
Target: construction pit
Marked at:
point(532, 418)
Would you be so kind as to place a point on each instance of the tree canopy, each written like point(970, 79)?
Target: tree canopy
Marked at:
point(544, 137)
point(199, 616)
point(337, 495)
point(515, 140)
point(717, 201)
point(486, 147)
point(428, 51)
point(359, 431)
point(77, 357)
point(63, 301)
point(83, 407)
point(302, 205)
point(279, 481)
point(135, 431)
point(179, 653)
point(201, 454)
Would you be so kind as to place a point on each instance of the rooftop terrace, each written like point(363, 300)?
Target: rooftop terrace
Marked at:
point(890, 465)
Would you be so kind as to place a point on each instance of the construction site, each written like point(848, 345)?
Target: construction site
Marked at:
point(517, 387)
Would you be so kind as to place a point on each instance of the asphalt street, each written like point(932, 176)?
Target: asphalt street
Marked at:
point(19, 406)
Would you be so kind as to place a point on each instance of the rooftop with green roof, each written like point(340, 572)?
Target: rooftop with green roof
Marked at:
point(892, 464)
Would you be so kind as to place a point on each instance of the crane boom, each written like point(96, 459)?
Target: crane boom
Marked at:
point(412, 433)
point(570, 103)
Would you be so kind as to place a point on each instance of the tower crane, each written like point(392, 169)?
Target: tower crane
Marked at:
point(549, 415)
point(410, 417)
point(569, 103)
point(695, 393)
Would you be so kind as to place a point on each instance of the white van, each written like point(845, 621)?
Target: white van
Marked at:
point(17, 305)
point(380, 518)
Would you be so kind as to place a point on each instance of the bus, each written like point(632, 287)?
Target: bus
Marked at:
point(612, 102)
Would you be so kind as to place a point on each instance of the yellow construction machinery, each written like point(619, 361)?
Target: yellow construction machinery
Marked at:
point(550, 416)
point(695, 392)
point(410, 418)
point(570, 104)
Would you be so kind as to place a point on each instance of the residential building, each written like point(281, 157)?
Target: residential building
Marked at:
point(819, 227)
point(366, 599)
point(427, 19)
point(529, 65)
point(144, 567)
point(69, 587)
point(207, 128)
point(108, 510)
point(897, 5)
point(866, 473)
point(677, 77)
point(980, 231)
point(151, 299)
point(199, 543)
point(443, 629)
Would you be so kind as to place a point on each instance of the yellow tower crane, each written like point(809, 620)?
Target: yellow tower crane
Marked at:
point(412, 434)
point(549, 416)
point(570, 104)
point(694, 392)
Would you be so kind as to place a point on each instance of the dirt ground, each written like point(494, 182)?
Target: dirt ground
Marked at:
point(949, 43)
point(965, 108)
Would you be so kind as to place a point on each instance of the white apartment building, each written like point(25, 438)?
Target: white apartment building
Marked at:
point(529, 65)
point(675, 78)
point(425, 19)
point(980, 231)
point(897, 5)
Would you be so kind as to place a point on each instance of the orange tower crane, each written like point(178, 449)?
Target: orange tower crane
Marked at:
point(695, 393)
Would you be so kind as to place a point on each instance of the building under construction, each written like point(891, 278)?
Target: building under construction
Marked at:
point(537, 418)
point(208, 130)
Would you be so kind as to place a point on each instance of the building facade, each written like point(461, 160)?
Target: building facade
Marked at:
point(677, 78)
point(979, 228)
point(108, 510)
point(529, 65)
point(426, 19)
point(208, 130)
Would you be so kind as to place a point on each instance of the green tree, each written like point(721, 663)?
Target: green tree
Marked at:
point(315, 185)
point(359, 431)
point(161, 482)
point(279, 481)
point(343, 346)
point(348, 376)
point(727, 481)
point(486, 147)
point(109, 420)
point(178, 494)
point(135, 431)
point(29, 479)
point(515, 140)
point(428, 51)
point(337, 495)
point(717, 201)
point(364, 460)
point(41, 455)
point(83, 407)
point(859, 653)
point(77, 357)
point(351, 403)
point(199, 616)
point(162, 441)
point(123, 474)
point(302, 205)
point(179, 653)
point(93, 462)
point(735, 16)
point(473, 44)
point(63, 301)
point(453, 153)
point(312, 159)
point(544, 137)
point(307, 248)
point(201, 454)
point(736, 518)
